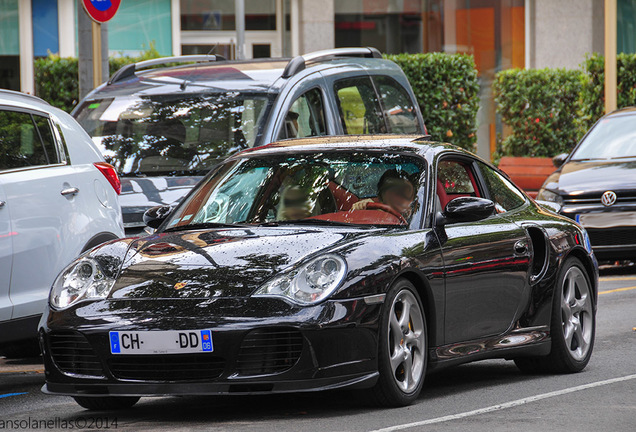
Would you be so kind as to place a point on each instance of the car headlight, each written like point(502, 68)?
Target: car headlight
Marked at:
point(547, 195)
point(83, 279)
point(309, 283)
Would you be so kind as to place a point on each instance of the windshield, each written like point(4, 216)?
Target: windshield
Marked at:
point(321, 188)
point(162, 136)
point(611, 138)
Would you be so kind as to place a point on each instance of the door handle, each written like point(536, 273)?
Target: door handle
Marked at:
point(521, 247)
point(70, 191)
point(2, 203)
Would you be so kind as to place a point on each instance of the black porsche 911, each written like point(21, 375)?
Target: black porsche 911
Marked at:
point(323, 263)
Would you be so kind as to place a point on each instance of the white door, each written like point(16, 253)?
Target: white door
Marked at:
point(6, 257)
point(45, 208)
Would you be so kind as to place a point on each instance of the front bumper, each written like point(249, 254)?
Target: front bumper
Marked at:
point(331, 345)
point(611, 230)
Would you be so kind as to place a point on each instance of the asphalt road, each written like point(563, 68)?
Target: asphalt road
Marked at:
point(484, 396)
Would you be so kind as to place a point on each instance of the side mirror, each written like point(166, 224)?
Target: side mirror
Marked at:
point(558, 160)
point(153, 217)
point(466, 209)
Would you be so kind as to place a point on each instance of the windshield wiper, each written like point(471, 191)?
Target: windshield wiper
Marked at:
point(204, 225)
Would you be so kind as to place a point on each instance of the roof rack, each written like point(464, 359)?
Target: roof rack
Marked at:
point(130, 69)
point(298, 63)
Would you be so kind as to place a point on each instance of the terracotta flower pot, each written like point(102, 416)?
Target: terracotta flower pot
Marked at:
point(528, 173)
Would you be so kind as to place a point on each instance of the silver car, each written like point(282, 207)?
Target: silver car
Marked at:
point(58, 198)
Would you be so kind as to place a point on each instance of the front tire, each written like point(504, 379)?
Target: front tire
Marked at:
point(402, 347)
point(106, 403)
point(573, 324)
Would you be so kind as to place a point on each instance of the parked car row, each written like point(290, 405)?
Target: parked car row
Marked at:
point(415, 255)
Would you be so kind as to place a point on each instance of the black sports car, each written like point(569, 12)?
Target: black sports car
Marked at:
point(324, 263)
point(596, 185)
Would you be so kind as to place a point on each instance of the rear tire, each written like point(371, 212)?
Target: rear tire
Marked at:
point(572, 326)
point(106, 403)
point(402, 351)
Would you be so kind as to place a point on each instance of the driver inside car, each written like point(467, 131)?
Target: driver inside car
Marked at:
point(394, 189)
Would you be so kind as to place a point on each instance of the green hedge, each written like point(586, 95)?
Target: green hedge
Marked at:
point(542, 108)
point(57, 82)
point(447, 90)
point(593, 91)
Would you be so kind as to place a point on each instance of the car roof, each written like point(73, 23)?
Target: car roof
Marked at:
point(418, 144)
point(23, 100)
point(258, 75)
point(622, 111)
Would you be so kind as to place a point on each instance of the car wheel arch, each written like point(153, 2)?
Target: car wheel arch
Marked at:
point(98, 239)
point(584, 258)
point(425, 292)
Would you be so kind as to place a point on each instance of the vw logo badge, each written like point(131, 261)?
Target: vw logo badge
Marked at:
point(608, 198)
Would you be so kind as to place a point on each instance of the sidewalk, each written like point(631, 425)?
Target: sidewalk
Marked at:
point(29, 365)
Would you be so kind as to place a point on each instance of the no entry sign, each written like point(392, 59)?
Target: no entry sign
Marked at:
point(101, 10)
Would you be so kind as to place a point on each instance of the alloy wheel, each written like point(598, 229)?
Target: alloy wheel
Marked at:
point(406, 341)
point(576, 313)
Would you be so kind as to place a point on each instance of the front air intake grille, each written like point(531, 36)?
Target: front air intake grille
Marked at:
point(175, 367)
point(612, 236)
point(268, 351)
point(72, 354)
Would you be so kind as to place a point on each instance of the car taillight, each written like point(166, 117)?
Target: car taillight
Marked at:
point(111, 175)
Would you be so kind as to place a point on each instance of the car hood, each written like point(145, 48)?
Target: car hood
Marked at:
point(229, 262)
point(138, 194)
point(593, 177)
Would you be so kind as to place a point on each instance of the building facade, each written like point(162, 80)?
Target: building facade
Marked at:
point(500, 34)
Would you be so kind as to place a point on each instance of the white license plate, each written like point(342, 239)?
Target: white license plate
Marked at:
point(161, 342)
point(607, 219)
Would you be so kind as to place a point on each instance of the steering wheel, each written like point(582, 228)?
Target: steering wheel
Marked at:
point(388, 209)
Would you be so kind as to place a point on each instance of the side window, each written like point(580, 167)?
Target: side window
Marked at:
point(46, 134)
point(306, 117)
point(505, 195)
point(20, 144)
point(454, 179)
point(398, 108)
point(360, 111)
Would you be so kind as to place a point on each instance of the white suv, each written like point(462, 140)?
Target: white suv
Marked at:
point(58, 198)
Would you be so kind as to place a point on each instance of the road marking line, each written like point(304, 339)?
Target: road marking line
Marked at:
point(612, 278)
point(617, 290)
point(505, 405)
point(11, 394)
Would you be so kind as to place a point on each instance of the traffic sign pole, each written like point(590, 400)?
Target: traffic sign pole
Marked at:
point(100, 11)
point(97, 53)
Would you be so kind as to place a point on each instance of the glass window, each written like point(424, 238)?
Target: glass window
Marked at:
point(308, 188)
point(610, 138)
point(391, 26)
point(503, 193)
point(360, 111)
point(44, 127)
point(139, 23)
point(45, 27)
point(398, 108)
point(455, 178)
point(305, 118)
point(20, 144)
point(220, 15)
point(173, 135)
point(9, 28)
